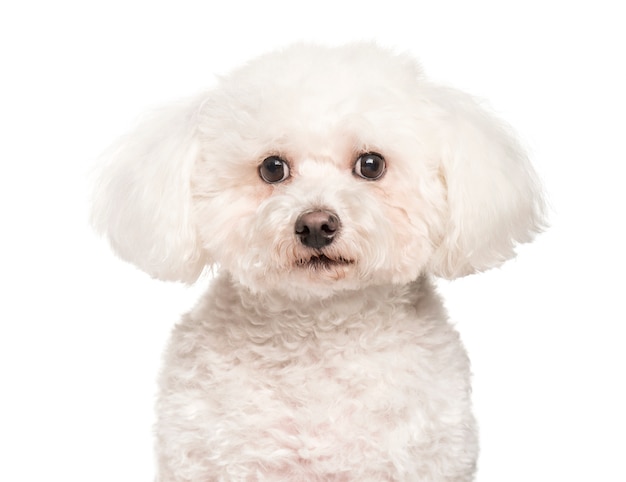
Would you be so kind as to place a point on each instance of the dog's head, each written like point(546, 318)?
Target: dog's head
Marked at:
point(319, 169)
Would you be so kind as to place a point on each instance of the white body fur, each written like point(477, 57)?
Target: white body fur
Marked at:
point(292, 368)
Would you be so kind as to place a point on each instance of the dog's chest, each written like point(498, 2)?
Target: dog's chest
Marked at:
point(290, 390)
point(322, 354)
point(325, 360)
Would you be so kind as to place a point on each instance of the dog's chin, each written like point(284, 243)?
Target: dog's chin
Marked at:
point(310, 275)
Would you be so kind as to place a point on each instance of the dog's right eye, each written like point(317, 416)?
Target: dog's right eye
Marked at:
point(370, 166)
point(274, 169)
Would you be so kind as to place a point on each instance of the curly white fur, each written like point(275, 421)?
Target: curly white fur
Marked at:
point(318, 363)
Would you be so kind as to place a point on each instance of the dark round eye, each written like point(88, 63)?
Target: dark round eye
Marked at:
point(370, 166)
point(274, 169)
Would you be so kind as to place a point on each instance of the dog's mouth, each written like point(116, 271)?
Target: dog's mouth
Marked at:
point(321, 261)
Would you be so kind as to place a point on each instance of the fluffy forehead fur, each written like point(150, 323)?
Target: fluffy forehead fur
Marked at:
point(184, 191)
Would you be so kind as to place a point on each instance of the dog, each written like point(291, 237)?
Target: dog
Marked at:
point(325, 187)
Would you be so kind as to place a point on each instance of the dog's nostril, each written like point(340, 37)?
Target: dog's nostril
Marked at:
point(317, 229)
point(302, 230)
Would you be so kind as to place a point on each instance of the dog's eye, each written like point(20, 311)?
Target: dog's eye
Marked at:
point(370, 166)
point(274, 169)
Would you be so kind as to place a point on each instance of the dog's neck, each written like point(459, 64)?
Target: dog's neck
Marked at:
point(300, 297)
point(281, 311)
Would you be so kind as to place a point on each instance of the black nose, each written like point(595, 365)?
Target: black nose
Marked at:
point(317, 229)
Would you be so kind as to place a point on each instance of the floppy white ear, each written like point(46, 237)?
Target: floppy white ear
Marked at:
point(494, 196)
point(142, 198)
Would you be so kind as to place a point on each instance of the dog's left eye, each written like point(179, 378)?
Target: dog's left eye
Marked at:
point(370, 166)
point(274, 169)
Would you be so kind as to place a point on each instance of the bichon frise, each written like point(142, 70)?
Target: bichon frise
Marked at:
point(327, 185)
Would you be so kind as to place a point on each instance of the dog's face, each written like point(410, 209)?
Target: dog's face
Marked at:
point(326, 184)
point(315, 170)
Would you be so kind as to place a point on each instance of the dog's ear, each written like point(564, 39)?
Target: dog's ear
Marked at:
point(493, 194)
point(142, 195)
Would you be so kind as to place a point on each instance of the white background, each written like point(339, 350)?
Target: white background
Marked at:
point(81, 333)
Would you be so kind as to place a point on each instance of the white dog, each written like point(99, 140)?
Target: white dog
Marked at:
point(328, 185)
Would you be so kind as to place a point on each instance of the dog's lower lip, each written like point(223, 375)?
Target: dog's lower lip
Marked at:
point(322, 260)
